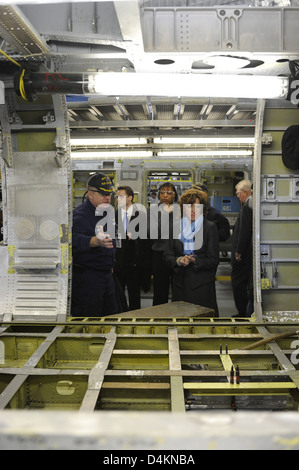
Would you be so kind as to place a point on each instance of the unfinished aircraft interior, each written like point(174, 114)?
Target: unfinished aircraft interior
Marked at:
point(148, 92)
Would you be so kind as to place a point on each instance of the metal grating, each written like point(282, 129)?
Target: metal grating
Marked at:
point(138, 364)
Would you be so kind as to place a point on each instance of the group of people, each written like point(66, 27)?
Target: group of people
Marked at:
point(105, 263)
point(186, 258)
point(190, 272)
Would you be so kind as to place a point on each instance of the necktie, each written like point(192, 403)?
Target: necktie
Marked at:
point(126, 222)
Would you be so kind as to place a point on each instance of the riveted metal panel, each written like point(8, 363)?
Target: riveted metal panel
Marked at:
point(230, 28)
point(37, 211)
point(279, 217)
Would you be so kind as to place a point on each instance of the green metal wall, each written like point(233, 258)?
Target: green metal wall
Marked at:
point(279, 216)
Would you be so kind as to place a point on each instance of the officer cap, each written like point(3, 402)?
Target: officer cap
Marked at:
point(102, 183)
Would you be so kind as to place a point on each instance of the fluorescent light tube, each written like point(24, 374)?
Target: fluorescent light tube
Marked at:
point(189, 84)
point(108, 141)
point(113, 154)
point(204, 140)
point(203, 153)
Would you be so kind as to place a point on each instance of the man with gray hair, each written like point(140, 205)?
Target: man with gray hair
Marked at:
point(242, 250)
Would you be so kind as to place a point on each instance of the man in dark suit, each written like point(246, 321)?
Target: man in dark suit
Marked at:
point(130, 222)
point(242, 250)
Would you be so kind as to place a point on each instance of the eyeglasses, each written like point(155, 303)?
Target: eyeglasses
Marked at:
point(166, 192)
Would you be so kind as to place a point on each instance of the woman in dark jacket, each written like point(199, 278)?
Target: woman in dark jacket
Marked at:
point(193, 264)
point(161, 272)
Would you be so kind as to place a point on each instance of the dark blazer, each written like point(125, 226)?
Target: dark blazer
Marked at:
point(221, 222)
point(207, 259)
point(84, 228)
point(242, 236)
point(241, 274)
point(131, 252)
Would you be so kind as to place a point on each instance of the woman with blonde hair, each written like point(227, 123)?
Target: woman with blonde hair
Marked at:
point(193, 255)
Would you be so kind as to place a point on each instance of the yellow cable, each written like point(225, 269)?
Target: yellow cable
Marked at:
point(22, 86)
point(9, 58)
point(21, 82)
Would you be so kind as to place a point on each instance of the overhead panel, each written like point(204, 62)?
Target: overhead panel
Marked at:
point(227, 28)
point(69, 21)
point(137, 36)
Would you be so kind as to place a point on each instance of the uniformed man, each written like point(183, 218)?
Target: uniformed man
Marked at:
point(93, 291)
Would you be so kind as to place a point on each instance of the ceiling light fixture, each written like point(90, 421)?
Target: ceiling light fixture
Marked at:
point(156, 84)
point(91, 155)
point(205, 140)
point(81, 141)
point(204, 153)
point(201, 85)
